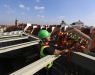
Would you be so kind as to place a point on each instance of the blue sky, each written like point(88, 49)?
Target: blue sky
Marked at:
point(47, 11)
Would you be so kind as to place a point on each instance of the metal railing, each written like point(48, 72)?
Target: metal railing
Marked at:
point(18, 46)
point(13, 39)
point(86, 62)
point(11, 34)
point(36, 66)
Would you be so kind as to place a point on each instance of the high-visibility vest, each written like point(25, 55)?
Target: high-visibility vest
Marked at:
point(43, 55)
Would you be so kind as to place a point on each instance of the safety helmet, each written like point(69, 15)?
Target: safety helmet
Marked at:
point(43, 34)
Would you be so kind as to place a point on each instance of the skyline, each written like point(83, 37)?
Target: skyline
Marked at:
point(47, 11)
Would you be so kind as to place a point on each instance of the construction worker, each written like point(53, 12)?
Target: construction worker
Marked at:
point(47, 49)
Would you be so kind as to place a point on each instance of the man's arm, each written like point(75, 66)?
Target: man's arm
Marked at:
point(53, 51)
point(58, 52)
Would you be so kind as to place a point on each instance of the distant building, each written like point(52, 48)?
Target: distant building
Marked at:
point(78, 24)
point(3, 28)
point(63, 23)
point(16, 22)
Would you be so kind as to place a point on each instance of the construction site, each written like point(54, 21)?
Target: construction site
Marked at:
point(19, 49)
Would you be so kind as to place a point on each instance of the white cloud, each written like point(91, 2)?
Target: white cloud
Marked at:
point(41, 16)
point(22, 6)
point(37, 0)
point(39, 7)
